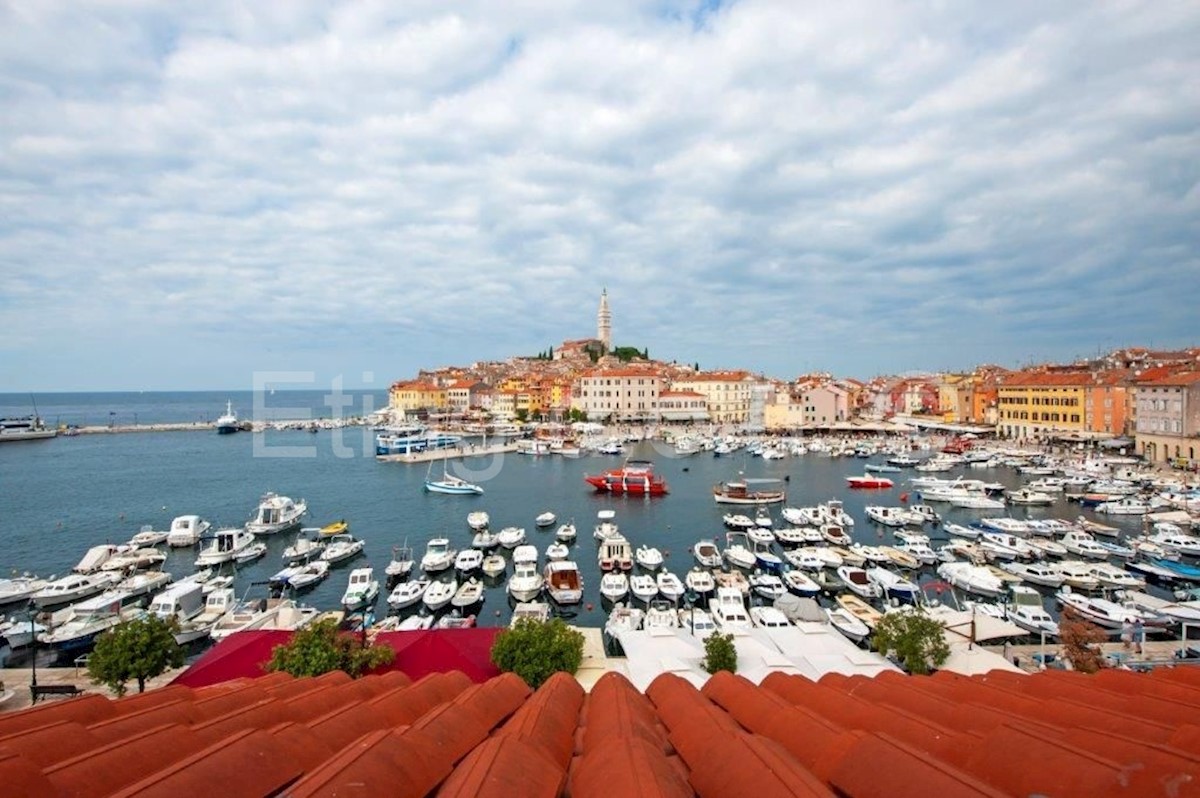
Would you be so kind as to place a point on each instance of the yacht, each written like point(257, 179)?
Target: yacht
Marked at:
point(227, 423)
point(25, 428)
point(276, 514)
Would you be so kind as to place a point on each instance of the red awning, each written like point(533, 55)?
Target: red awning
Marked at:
point(418, 654)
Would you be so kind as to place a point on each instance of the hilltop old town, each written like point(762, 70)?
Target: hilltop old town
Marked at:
point(1142, 399)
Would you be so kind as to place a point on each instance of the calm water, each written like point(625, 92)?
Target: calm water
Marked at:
point(60, 496)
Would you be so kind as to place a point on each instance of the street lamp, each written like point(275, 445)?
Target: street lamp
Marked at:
point(689, 603)
point(33, 658)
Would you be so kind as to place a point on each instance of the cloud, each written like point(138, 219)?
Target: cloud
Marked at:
point(862, 188)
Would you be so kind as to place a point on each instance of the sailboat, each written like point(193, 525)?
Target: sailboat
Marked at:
point(451, 484)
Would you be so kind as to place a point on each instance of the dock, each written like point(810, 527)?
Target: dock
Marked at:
point(463, 450)
point(201, 426)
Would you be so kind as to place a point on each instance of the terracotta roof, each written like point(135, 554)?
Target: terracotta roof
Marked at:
point(1028, 379)
point(1055, 733)
point(686, 394)
point(717, 376)
point(1184, 379)
point(619, 372)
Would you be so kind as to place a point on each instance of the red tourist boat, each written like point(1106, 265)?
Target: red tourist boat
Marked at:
point(869, 481)
point(636, 477)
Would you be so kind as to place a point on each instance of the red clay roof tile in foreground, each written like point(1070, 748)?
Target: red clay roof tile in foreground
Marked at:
point(1022, 761)
point(139, 702)
point(1151, 769)
point(549, 718)
point(631, 767)
point(880, 766)
point(107, 769)
point(250, 762)
point(55, 742)
point(258, 715)
point(306, 748)
point(504, 767)
point(614, 707)
point(391, 763)
point(21, 778)
point(85, 710)
point(127, 724)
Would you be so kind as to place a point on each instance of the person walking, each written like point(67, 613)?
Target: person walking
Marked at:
point(1126, 633)
point(1139, 635)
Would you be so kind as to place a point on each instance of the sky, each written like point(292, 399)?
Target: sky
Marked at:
point(195, 193)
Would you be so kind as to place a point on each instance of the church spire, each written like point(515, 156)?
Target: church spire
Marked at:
point(604, 322)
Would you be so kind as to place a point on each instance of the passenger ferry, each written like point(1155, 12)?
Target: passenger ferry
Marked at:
point(412, 439)
point(25, 428)
point(636, 477)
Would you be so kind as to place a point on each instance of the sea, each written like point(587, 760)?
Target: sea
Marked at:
point(59, 497)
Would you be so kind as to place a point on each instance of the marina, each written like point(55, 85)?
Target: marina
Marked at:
point(374, 507)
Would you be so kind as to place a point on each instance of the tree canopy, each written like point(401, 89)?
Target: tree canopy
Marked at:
point(536, 650)
point(917, 640)
point(321, 648)
point(1081, 641)
point(720, 654)
point(139, 649)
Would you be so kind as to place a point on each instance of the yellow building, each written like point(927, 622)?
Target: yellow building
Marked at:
point(727, 393)
point(1043, 404)
point(954, 397)
point(412, 395)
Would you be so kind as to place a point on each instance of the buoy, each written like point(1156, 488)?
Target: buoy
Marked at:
point(903, 497)
point(589, 606)
point(497, 613)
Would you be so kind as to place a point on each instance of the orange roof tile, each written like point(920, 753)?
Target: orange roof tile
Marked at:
point(1183, 379)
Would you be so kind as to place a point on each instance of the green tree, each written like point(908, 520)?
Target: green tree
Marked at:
point(139, 649)
point(918, 641)
point(720, 654)
point(522, 415)
point(536, 650)
point(321, 648)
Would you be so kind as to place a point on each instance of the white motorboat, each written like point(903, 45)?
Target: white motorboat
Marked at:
point(765, 557)
point(1030, 497)
point(860, 609)
point(1077, 574)
point(134, 560)
point(20, 632)
point(760, 535)
point(143, 582)
point(697, 621)
point(892, 585)
point(406, 594)
point(416, 622)
point(615, 554)
point(1179, 542)
point(660, 615)
point(700, 581)
point(888, 516)
point(804, 559)
point(250, 614)
point(1044, 547)
point(545, 519)
point(468, 560)
point(557, 551)
point(767, 585)
point(871, 554)
point(526, 582)
point(1175, 612)
point(361, 590)
point(794, 536)
point(1084, 545)
point(707, 554)
point(77, 626)
point(794, 516)
point(478, 520)
point(564, 584)
point(1125, 505)
point(511, 536)
point(762, 517)
point(223, 546)
point(1003, 546)
point(733, 579)
point(493, 565)
point(800, 584)
point(1035, 573)
point(401, 564)
point(20, 588)
point(438, 594)
point(670, 586)
point(729, 610)
point(308, 575)
point(975, 501)
point(565, 533)
point(648, 557)
point(623, 619)
point(469, 594)
point(147, 537)
point(1011, 526)
point(249, 554)
point(737, 552)
point(485, 540)
point(606, 527)
point(925, 513)
point(768, 618)
point(96, 557)
point(306, 547)
point(614, 586)
point(187, 530)
point(342, 547)
point(1100, 611)
point(1110, 576)
point(971, 578)
point(831, 557)
point(276, 514)
point(438, 556)
point(73, 587)
point(858, 582)
point(738, 521)
point(525, 554)
point(643, 587)
point(845, 622)
point(836, 535)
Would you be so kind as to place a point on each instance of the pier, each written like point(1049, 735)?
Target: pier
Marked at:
point(203, 426)
point(449, 453)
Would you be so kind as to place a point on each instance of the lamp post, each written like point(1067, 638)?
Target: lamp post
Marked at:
point(33, 657)
point(689, 602)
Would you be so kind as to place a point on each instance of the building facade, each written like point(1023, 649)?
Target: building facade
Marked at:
point(624, 394)
point(1168, 419)
point(1043, 405)
point(726, 393)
